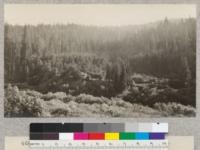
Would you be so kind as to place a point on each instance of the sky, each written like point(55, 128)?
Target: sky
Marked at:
point(95, 14)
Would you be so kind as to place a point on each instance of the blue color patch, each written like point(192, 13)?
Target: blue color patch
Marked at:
point(142, 136)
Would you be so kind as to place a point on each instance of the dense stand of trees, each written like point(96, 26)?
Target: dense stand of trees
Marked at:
point(171, 51)
point(36, 54)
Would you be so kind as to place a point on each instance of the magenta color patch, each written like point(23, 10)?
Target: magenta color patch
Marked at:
point(80, 136)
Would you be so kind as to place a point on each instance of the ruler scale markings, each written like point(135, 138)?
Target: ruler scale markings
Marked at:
point(161, 144)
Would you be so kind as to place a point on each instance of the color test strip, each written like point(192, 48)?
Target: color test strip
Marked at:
point(127, 136)
point(50, 136)
point(160, 127)
point(142, 136)
point(36, 136)
point(112, 136)
point(80, 136)
point(44, 136)
point(90, 127)
point(72, 127)
point(66, 136)
point(113, 131)
point(104, 127)
point(117, 127)
point(36, 127)
point(157, 136)
point(98, 127)
point(144, 127)
point(96, 136)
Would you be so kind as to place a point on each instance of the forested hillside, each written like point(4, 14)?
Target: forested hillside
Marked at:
point(143, 64)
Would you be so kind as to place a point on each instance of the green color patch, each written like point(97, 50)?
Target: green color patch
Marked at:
point(127, 136)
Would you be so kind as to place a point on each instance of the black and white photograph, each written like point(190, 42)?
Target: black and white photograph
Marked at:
point(100, 60)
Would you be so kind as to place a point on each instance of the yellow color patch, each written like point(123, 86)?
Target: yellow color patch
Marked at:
point(111, 136)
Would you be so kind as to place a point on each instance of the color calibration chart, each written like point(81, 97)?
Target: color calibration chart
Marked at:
point(57, 136)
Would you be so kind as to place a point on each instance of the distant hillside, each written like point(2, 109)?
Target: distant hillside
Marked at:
point(161, 48)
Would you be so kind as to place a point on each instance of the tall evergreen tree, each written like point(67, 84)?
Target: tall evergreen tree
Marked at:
point(23, 56)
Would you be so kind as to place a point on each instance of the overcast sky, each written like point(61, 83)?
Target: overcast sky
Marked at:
point(91, 14)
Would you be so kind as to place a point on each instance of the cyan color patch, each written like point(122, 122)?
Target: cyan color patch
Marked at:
point(142, 136)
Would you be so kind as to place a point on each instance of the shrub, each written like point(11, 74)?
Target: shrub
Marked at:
point(57, 95)
point(89, 99)
point(19, 103)
point(174, 109)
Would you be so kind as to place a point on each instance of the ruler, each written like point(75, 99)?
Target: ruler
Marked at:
point(99, 145)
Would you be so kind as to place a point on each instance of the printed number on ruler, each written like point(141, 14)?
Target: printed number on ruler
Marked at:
point(100, 145)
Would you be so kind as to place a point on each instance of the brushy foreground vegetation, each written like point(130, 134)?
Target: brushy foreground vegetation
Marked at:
point(29, 103)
